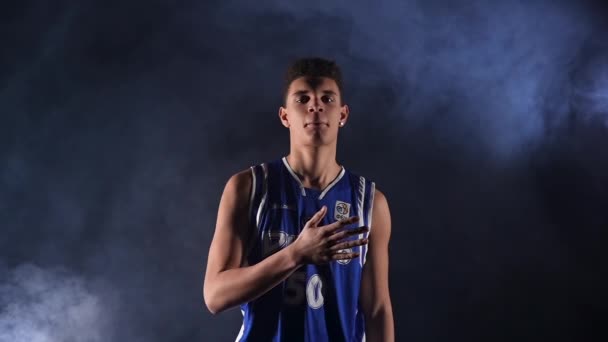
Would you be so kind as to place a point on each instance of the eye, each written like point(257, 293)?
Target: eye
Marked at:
point(303, 99)
point(327, 99)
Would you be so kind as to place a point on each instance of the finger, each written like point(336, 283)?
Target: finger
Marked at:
point(342, 256)
point(348, 244)
point(317, 217)
point(341, 224)
point(346, 233)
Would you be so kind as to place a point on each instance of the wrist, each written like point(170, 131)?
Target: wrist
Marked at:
point(294, 255)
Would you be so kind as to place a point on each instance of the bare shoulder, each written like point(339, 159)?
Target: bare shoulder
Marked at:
point(239, 184)
point(380, 201)
point(232, 213)
point(379, 198)
point(381, 216)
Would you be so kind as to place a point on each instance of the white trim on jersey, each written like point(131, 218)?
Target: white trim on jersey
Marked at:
point(293, 174)
point(372, 192)
point(360, 202)
point(264, 195)
point(333, 183)
point(251, 236)
point(303, 189)
point(242, 328)
point(251, 198)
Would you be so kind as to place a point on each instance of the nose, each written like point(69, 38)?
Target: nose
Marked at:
point(315, 106)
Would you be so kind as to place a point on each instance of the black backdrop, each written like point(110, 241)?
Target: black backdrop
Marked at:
point(485, 124)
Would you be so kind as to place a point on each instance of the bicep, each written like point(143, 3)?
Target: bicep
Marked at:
point(229, 240)
point(374, 282)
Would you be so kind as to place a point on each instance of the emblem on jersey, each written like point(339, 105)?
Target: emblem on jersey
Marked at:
point(344, 261)
point(342, 210)
point(275, 240)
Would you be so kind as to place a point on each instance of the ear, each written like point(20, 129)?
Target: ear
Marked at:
point(344, 114)
point(283, 117)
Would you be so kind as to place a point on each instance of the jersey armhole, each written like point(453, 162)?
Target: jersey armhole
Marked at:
point(259, 180)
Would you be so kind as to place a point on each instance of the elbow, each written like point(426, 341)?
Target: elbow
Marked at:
point(212, 307)
point(212, 304)
point(210, 300)
point(378, 310)
point(213, 301)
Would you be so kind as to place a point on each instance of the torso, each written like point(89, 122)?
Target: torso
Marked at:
point(317, 302)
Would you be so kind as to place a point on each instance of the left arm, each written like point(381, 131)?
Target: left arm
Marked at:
point(374, 297)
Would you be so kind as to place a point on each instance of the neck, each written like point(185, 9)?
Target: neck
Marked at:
point(316, 166)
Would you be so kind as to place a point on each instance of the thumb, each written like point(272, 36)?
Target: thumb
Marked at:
point(317, 217)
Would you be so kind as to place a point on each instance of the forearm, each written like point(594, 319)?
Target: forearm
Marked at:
point(380, 326)
point(240, 285)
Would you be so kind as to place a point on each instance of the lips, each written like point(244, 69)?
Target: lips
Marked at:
point(316, 124)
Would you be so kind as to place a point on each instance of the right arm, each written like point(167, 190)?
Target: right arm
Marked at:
point(227, 284)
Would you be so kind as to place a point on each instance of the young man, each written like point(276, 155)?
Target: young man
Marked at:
point(301, 243)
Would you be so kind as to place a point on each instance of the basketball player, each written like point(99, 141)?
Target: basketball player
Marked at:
point(301, 243)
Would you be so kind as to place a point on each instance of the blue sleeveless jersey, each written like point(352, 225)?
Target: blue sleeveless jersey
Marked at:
point(316, 303)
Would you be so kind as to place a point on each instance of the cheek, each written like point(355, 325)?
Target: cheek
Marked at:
point(299, 112)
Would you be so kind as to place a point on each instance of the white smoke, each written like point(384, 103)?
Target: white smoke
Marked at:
point(38, 305)
point(590, 91)
point(478, 71)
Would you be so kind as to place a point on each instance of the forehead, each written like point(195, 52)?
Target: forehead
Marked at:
point(313, 84)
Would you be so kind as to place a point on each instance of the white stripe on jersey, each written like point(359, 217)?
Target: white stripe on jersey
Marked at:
point(360, 202)
point(264, 194)
point(372, 192)
point(251, 236)
point(252, 191)
point(242, 328)
point(333, 183)
point(293, 174)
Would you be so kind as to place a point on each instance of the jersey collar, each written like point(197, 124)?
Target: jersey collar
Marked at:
point(303, 189)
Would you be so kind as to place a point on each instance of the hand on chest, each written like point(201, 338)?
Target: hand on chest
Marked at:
point(284, 221)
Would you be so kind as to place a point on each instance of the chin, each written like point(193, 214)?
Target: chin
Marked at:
point(317, 141)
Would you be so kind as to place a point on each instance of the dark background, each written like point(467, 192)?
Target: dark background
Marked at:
point(484, 122)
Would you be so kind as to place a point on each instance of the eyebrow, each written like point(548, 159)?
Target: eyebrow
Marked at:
point(302, 92)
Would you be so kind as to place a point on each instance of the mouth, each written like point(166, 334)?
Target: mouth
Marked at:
point(316, 124)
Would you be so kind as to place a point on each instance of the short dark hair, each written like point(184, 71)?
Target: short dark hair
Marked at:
point(313, 67)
